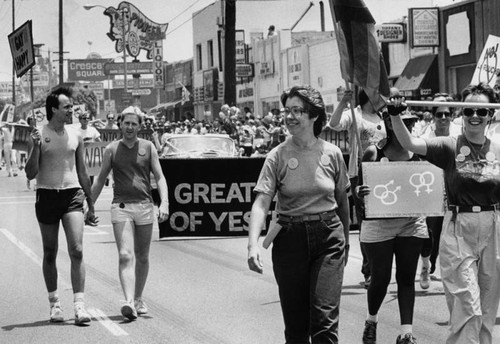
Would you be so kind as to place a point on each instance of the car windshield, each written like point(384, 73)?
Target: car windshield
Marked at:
point(201, 144)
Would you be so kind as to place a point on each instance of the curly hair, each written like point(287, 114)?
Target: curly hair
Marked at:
point(481, 88)
point(313, 104)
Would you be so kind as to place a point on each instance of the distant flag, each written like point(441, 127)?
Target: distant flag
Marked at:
point(185, 94)
point(361, 62)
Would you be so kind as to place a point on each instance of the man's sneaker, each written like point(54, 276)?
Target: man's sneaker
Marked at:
point(81, 315)
point(406, 339)
point(425, 280)
point(368, 280)
point(370, 332)
point(128, 311)
point(56, 313)
point(140, 307)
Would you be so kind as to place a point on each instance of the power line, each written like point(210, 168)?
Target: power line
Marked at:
point(194, 3)
point(168, 33)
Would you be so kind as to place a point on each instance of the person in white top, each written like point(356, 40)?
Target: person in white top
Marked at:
point(89, 133)
point(56, 159)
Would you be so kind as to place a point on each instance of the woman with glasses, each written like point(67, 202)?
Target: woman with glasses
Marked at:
point(310, 179)
point(470, 242)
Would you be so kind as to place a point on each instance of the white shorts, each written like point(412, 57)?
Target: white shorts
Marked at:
point(138, 213)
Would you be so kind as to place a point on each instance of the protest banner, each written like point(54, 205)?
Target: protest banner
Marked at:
point(21, 47)
point(488, 65)
point(20, 137)
point(93, 156)
point(410, 189)
point(109, 135)
point(210, 197)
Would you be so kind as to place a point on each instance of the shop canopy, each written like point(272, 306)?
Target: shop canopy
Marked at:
point(420, 77)
point(163, 106)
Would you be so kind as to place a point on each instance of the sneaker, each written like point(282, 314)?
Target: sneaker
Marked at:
point(368, 280)
point(425, 278)
point(370, 332)
point(140, 307)
point(56, 313)
point(81, 315)
point(128, 311)
point(406, 339)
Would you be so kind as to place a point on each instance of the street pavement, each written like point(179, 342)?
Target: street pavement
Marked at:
point(199, 290)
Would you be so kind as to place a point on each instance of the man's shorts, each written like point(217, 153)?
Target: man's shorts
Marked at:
point(138, 213)
point(51, 205)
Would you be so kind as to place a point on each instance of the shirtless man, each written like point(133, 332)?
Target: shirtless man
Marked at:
point(56, 160)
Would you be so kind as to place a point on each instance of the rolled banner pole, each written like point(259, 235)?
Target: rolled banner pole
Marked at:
point(452, 104)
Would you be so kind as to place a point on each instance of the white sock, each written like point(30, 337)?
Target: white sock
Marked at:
point(78, 298)
point(426, 262)
point(53, 297)
point(407, 328)
point(372, 318)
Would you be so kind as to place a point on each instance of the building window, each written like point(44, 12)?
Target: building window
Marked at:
point(210, 53)
point(199, 60)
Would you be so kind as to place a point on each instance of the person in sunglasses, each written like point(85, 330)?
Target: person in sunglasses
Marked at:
point(310, 179)
point(469, 249)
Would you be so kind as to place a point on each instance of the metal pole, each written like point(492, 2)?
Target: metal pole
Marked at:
point(61, 45)
point(124, 52)
point(13, 66)
point(32, 93)
point(452, 104)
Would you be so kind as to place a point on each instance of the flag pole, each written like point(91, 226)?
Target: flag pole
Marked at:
point(348, 88)
point(451, 104)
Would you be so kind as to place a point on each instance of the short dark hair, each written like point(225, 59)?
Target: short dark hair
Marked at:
point(313, 104)
point(52, 100)
point(481, 88)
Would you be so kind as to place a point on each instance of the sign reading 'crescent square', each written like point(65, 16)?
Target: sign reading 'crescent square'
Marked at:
point(410, 189)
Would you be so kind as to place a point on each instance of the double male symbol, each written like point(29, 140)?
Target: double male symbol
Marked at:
point(385, 195)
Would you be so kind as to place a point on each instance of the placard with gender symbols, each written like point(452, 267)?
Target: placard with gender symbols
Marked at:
point(403, 188)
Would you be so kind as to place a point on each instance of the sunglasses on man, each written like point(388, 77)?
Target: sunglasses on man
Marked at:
point(468, 112)
point(442, 114)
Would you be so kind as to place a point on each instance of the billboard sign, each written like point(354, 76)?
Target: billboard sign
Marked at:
point(240, 46)
point(424, 27)
point(112, 68)
point(391, 33)
point(140, 31)
point(159, 77)
point(87, 70)
point(21, 47)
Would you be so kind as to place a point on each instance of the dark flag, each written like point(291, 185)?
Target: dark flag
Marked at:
point(361, 62)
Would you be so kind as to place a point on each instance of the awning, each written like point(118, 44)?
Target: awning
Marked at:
point(420, 76)
point(164, 106)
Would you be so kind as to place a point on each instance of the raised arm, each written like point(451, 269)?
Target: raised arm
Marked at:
point(406, 139)
point(337, 114)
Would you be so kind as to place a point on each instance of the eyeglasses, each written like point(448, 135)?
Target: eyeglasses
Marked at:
point(111, 118)
point(480, 112)
point(442, 114)
point(85, 118)
point(296, 111)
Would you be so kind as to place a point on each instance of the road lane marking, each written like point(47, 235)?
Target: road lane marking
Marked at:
point(107, 322)
point(96, 313)
point(32, 255)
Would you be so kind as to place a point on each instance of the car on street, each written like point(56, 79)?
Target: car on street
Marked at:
point(199, 146)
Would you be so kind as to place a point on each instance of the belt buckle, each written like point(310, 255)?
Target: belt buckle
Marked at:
point(476, 209)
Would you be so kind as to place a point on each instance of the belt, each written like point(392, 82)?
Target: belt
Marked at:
point(473, 209)
point(307, 218)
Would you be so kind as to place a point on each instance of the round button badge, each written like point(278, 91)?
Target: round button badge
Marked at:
point(465, 150)
point(461, 157)
point(47, 139)
point(384, 159)
point(490, 156)
point(142, 152)
point(293, 163)
point(325, 160)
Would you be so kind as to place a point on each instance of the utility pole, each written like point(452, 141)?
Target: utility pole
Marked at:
point(13, 66)
point(61, 45)
point(230, 53)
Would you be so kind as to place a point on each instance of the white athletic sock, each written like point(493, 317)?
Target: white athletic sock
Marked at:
point(407, 328)
point(78, 298)
point(426, 262)
point(53, 297)
point(372, 318)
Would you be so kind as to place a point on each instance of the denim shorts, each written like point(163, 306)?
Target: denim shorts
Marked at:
point(51, 205)
point(138, 213)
